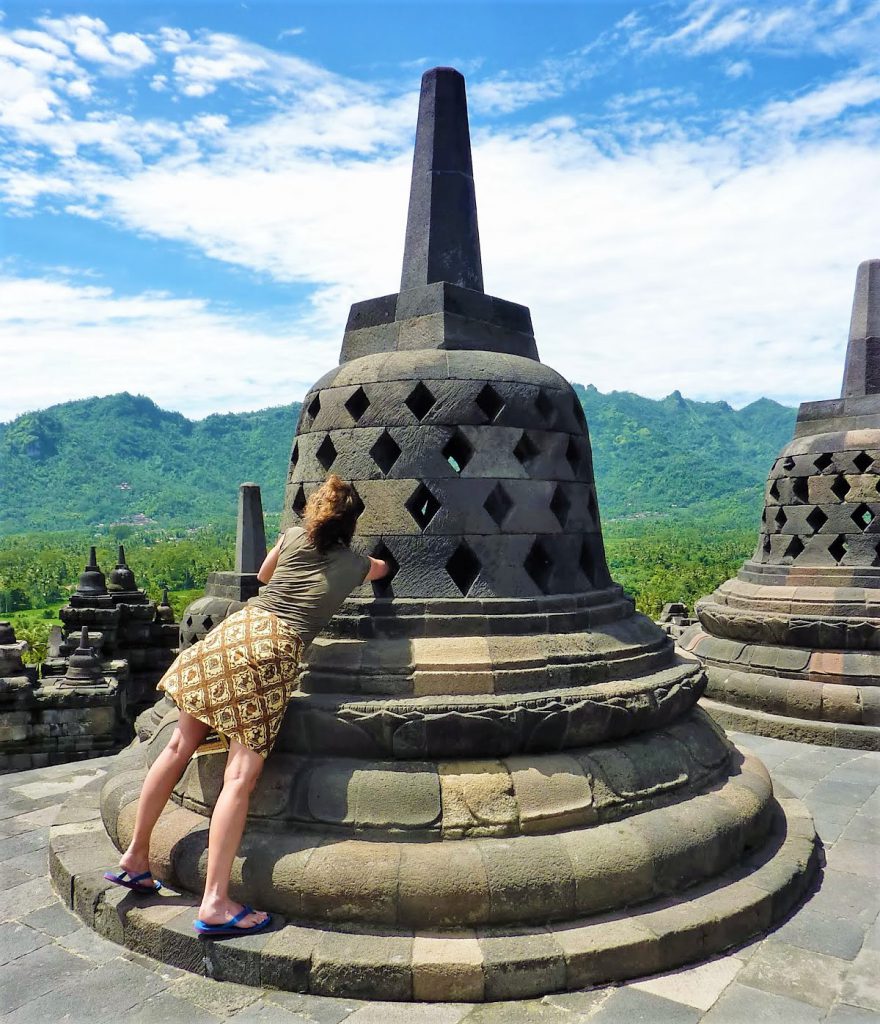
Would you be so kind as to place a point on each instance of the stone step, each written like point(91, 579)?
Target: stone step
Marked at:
point(464, 964)
point(802, 730)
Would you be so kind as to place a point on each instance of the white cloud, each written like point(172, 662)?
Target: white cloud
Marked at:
point(79, 88)
point(709, 26)
point(824, 103)
point(211, 59)
point(288, 33)
point(505, 95)
point(135, 342)
point(91, 40)
point(738, 69)
point(654, 255)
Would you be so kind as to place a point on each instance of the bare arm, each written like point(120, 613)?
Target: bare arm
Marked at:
point(264, 574)
point(378, 569)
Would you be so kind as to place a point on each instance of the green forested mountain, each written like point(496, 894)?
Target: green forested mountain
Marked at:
point(653, 456)
point(103, 460)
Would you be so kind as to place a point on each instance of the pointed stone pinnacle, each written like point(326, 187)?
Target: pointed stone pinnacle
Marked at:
point(121, 561)
point(442, 236)
point(250, 534)
point(861, 374)
point(92, 582)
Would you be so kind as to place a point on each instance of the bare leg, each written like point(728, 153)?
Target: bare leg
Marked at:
point(160, 780)
point(243, 769)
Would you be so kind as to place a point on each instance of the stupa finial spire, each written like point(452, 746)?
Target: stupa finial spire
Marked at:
point(861, 374)
point(442, 236)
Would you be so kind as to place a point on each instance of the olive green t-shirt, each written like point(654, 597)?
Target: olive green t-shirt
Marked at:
point(308, 586)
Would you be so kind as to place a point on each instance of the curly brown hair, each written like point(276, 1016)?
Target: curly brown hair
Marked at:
point(331, 512)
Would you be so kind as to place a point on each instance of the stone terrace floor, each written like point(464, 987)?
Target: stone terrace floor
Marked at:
point(822, 964)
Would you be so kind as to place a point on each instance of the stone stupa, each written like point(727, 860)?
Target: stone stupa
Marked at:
point(494, 781)
point(792, 644)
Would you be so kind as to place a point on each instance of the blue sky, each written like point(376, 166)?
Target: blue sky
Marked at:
point(192, 194)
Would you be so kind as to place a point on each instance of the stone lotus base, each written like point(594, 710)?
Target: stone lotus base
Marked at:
point(798, 662)
point(697, 876)
point(788, 727)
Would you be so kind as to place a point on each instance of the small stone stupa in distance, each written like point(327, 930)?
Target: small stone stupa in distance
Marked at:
point(494, 781)
point(792, 644)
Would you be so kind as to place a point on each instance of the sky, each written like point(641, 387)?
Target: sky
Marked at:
point(192, 194)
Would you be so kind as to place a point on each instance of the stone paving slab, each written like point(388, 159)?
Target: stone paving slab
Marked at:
point(822, 964)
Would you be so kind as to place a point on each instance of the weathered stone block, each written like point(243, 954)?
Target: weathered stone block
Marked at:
point(447, 967)
point(362, 966)
point(443, 884)
point(517, 967)
point(350, 880)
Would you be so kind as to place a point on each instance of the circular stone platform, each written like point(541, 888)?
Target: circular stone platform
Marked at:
point(674, 914)
point(492, 780)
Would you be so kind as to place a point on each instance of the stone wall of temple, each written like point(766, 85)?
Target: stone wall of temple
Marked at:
point(100, 673)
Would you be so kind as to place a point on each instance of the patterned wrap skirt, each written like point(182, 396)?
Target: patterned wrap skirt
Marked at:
point(239, 678)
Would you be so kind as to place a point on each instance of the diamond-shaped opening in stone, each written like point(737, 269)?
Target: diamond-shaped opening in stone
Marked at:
point(863, 462)
point(314, 407)
point(840, 487)
point(795, 547)
point(422, 506)
point(294, 455)
point(876, 559)
point(573, 454)
point(358, 505)
point(780, 519)
point(385, 452)
point(823, 461)
point(383, 586)
point(800, 488)
point(525, 449)
point(578, 411)
point(560, 505)
point(539, 566)
point(586, 563)
point(774, 490)
point(299, 500)
point(463, 568)
point(458, 451)
point(863, 517)
point(498, 504)
point(326, 453)
point(544, 405)
point(189, 620)
point(420, 401)
point(837, 548)
point(788, 463)
point(357, 404)
point(765, 543)
point(208, 622)
point(816, 519)
point(489, 402)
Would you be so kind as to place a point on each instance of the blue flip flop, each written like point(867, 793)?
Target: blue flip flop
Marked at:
point(231, 927)
point(133, 882)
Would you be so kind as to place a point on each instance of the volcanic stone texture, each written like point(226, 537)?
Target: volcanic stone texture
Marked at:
point(490, 742)
point(791, 645)
point(474, 470)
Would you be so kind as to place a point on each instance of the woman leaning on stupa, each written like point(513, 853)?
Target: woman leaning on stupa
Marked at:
point(237, 682)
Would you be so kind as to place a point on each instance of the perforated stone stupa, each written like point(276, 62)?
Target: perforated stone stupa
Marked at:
point(494, 781)
point(792, 645)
